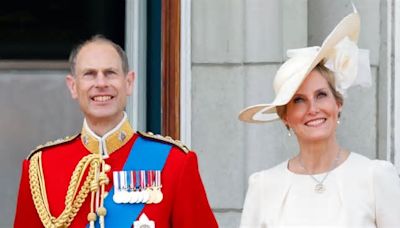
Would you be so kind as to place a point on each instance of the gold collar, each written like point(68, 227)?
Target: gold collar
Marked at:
point(110, 142)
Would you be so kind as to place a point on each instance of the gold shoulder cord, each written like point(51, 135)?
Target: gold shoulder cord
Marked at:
point(95, 182)
point(167, 139)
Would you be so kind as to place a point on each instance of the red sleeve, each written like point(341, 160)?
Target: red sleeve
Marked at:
point(191, 208)
point(26, 214)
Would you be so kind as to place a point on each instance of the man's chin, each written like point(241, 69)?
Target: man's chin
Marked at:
point(103, 115)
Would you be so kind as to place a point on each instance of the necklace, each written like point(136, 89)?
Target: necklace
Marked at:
point(320, 187)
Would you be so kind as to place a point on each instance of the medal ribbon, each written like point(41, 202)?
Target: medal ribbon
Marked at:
point(151, 178)
point(145, 155)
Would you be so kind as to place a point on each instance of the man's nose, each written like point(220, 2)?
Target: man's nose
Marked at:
point(101, 80)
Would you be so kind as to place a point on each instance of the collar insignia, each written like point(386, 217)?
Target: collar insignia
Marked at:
point(110, 142)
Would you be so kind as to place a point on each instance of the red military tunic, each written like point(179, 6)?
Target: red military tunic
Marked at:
point(184, 203)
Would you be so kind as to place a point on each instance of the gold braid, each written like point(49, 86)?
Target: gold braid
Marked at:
point(73, 202)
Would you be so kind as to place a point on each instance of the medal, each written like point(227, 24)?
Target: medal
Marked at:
point(139, 194)
point(125, 196)
point(133, 197)
point(145, 193)
point(150, 186)
point(117, 195)
point(158, 194)
point(150, 200)
point(137, 186)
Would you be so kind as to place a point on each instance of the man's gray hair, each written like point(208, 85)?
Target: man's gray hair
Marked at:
point(93, 39)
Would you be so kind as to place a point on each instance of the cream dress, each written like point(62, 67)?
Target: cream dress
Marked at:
point(360, 193)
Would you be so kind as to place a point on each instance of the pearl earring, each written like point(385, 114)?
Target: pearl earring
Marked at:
point(338, 119)
point(289, 133)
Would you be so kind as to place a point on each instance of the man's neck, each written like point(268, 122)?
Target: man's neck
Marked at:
point(101, 126)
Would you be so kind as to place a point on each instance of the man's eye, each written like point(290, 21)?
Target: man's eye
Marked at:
point(88, 74)
point(110, 73)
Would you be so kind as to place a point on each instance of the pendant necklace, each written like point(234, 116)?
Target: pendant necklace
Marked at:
point(320, 187)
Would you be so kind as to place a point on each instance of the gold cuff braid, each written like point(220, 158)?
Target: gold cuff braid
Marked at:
point(73, 201)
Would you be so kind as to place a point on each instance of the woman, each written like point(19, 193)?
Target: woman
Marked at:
point(325, 185)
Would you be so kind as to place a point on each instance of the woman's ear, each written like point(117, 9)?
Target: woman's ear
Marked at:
point(340, 105)
point(285, 121)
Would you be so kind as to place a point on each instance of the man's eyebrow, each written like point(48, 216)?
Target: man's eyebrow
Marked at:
point(110, 69)
point(88, 69)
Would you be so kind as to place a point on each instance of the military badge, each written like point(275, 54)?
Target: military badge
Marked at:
point(143, 222)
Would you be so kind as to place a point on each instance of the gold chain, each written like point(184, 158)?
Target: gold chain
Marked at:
point(73, 202)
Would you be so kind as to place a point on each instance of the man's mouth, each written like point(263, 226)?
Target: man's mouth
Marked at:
point(102, 98)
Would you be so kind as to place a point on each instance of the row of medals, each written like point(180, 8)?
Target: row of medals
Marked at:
point(137, 186)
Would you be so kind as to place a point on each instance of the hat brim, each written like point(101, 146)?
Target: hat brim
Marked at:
point(265, 112)
point(349, 27)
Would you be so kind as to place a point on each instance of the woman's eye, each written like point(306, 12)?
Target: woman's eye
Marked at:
point(297, 100)
point(321, 95)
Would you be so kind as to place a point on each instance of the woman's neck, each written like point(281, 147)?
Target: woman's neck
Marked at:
point(317, 157)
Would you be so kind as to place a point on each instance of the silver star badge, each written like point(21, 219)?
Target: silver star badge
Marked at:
point(85, 140)
point(122, 136)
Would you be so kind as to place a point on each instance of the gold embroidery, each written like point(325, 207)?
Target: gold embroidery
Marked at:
point(51, 143)
point(167, 139)
point(113, 142)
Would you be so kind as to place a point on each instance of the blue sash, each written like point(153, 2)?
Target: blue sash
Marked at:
point(145, 155)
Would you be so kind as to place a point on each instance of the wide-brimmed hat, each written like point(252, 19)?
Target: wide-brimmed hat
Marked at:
point(339, 52)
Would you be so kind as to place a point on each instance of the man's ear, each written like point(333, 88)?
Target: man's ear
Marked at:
point(130, 80)
point(71, 84)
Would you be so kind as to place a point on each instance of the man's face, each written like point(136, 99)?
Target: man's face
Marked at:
point(99, 84)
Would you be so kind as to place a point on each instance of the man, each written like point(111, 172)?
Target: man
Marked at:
point(108, 175)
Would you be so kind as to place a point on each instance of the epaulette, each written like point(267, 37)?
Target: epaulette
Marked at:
point(52, 143)
point(167, 139)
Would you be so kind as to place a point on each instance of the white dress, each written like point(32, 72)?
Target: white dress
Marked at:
point(360, 193)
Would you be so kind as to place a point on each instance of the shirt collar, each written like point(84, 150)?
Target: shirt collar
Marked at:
point(109, 142)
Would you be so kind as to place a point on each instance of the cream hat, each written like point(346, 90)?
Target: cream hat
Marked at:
point(338, 52)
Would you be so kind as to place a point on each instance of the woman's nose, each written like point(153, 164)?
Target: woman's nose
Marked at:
point(313, 107)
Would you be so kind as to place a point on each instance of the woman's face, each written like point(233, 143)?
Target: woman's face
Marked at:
point(312, 113)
